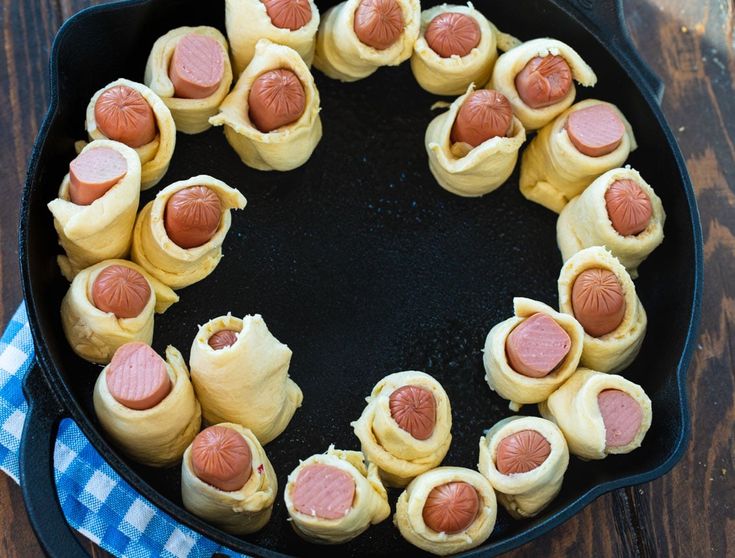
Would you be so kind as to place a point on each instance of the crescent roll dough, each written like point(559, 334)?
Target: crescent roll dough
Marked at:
point(410, 506)
point(584, 222)
point(248, 21)
point(553, 171)
point(511, 385)
point(370, 504)
point(95, 335)
point(399, 456)
point(525, 494)
point(467, 171)
point(247, 382)
point(510, 64)
point(154, 156)
point(190, 115)
point(285, 148)
point(102, 230)
point(341, 55)
point(574, 408)
point(239, 512)
point(169, 263)
point(614, 351)
point(158, 436)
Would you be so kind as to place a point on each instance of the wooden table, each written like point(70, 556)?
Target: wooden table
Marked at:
point(690, 44)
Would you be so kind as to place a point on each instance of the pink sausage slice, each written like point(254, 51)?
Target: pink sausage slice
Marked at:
point(451, 508)
point(288, 14)
point(452, 34)
point(137, 377)
point(414, 409)
point(622, 416)
point(221, 457)
point(93, 173)
point(121, 290)
point(598, 301)
point(484, 114)
point(122, 114)
point(544, 81)
point(323, 491)
point(596, 130)
point(222, 339)
point(521, 452)
point(378, 23)
point(537, 346)
point(628, 207)
point(192, 216)
point(197, 67)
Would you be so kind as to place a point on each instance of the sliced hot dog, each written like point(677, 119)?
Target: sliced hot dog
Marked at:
point(622, 416)
point(288, 14)
point(137, 377)
point(451, 508)
point(223, 338)
point(452, 34)
point(121, 290)
point(221, 457)
point(414, 409)
point(596, 130)
point(197, 67)
point(544, 81)
point(537, 346)
point(93, 173)
point(378, 23)
point(628, 207)
point(484, 114)
point(598, 301)
point(277, 98)
point(192, 216)
point(323, 491)
point(521, 452)
point(122, 114)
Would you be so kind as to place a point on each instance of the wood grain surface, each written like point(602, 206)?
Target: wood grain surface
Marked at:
point(690, 44)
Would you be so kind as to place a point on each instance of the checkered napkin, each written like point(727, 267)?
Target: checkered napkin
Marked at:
point(96, 501)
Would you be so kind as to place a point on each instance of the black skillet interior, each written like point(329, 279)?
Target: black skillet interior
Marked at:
point(364, 266)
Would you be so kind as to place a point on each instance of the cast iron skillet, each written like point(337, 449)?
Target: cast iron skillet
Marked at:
point(363, 265)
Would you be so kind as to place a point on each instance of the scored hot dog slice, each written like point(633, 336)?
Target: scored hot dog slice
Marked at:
point(537, 346)
point(288, 14)
point(323, 491)
point(521, 452)
point(451, 508)
point(137, 377)
point(93, 172)
point(192, 216)
point(544, 81)
point(484, 114)
point(595, 131)
point(277, 98)
point(122, 114)
point(378, 23)
point(223, 338)
point(598, 301)
point(628, 207)
point(121, 290)
point(452, 34)
point(197, 67)
point(414, 409)
point(622, 416)
point(222, 458)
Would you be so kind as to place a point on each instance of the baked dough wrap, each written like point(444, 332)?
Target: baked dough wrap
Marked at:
point(553, 171)
point(473, 172)
point(102, 230)
point(399, 456)
point(369, 506)
point(341, 55)
point(155, 156)
point(190, 115)
point(585, 222)
point(285, 148)
point(410, 506)
point(525, 494)
point(511, 385)
point(160, 256)
point(95, 335)
point(510, 64)
point(158, 436)
point(239, 512)
point(574, 408)
point(247, 22)
point(614, 351)
point(246, 383)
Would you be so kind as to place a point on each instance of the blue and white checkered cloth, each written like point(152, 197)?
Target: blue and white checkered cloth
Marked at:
point(96, 501)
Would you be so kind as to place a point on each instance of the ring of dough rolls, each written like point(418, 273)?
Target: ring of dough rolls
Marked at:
point(585, 222)
point(370, 504)
point(155, 252)
point(553, 170)
point(190, 115)
point(239, 512)
point(102, 230)
point(616, 350)
point(479, 171)
point(574, 408)
point(409, 512)
point(399, 456)
point(246, 383)
point(158, 436)
point(247, 22)
point(285, 148)
point(509, 65)
point(155, 156)
point(341, 55)
point(95, 335)
point(511, 385)
point(452, 76)
point(525, 494)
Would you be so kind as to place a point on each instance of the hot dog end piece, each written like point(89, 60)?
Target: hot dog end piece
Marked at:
point(288, 14)
point(414, 410)
point(596, 130)
point(122, 114)
point(121, 290)
point(622, 416)
point(222, 339)
point(452, 34)
point(544, 81)
point(484, 114)
point(277, 98)
point(93, 173)
point(222, 458)
point(192, 216)
point(197, 67)
point(598, 301)
point(451, 508)
point(537, 346)
point(378, 23)
point(323, 491)
point(137, 377)
point(521, 452)
point(628, 207)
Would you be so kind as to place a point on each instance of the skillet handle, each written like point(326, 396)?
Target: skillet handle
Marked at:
point(37, 469)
